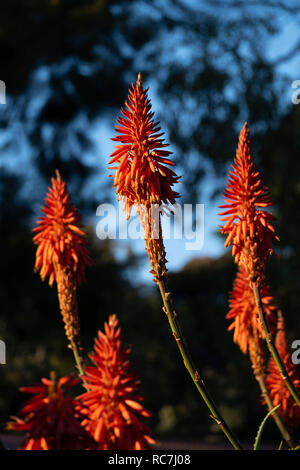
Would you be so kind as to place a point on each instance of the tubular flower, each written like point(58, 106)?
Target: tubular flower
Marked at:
point(50, 418)
point(279, 393)
point(143, 177)
point(111, 406)
point(243, 311)
point(61, 252)
point(141, 173)
point(247, 224)
point(59, 239)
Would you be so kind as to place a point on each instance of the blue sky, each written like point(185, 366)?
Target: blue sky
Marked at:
point(177, 254)
point(102, 131)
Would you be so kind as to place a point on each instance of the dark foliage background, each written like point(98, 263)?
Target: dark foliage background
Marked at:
point(67, 65)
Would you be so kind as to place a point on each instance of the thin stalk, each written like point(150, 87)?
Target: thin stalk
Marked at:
point(75, 346)
point(280, 424)
point(79, 363)
point(199, 383)
point(67, 298)
point(77, 357)
point(272, 347)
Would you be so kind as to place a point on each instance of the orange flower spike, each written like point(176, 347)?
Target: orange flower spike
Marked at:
point(59, 238)
point(141, 173)
point(49, 418)
point(243, 311)
point(62, 255)
point(111, 407)
point(143, 177)
point(246, 223)
point(279, 393)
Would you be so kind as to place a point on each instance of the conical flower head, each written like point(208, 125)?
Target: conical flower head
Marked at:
point(243, 311)
point(247, 224)
point(49, 418)
point(111, 407)
point(60, 240)
point(279, 393)
point(142, 173)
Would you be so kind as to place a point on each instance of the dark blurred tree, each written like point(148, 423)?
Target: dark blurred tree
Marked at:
point(14, 209)
point(64, 63)
point(279, 154)
point(67, 63)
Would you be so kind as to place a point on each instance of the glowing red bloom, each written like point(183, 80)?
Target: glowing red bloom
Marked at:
point(50, 418)
point(243, 311)
point(247, 226)
point(62, 254)
point(111, 406)
point(59, 239)
point(141, 173)
point(279, 393)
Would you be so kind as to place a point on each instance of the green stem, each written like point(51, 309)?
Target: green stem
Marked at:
point(79, 363)
point(272, 347)
point(77, 357)
point(199, 383)
point(280, 424)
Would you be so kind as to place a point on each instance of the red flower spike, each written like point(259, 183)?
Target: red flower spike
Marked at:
point(247, 225)
point(60, 239)
point(279, 393)
point(142, 175)
point(243, 311)
point(50, 419)
point(111, 406)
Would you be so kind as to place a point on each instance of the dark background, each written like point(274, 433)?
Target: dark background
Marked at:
point(67, 65)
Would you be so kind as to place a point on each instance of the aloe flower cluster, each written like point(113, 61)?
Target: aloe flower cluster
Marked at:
point(107, 412)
